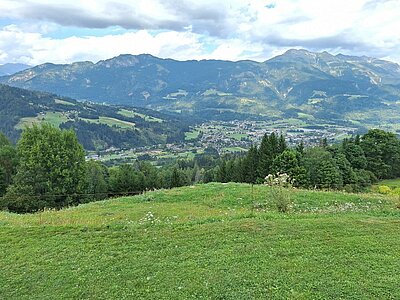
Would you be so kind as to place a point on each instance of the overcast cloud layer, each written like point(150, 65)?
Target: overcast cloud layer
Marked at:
point(38, 31)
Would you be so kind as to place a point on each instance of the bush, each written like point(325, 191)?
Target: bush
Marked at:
point(396, 191)
point(384, 189)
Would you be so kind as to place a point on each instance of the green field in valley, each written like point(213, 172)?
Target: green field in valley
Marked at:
point(191, 135)
point(234, 149)
point(212, 241)
point(238, 136)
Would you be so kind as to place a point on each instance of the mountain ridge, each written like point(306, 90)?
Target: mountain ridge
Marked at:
point(320, 85)
point(12, 68)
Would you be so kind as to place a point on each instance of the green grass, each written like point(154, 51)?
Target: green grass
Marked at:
point(214, 241)
point(186, 155)
point(238, 136)
point(132, 114)
point(191, 135)
point(111, 122)
point(234, 149)
point(53, 118)
point(59, 101)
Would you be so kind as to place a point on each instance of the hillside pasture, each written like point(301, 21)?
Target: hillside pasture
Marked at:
point(213, 241)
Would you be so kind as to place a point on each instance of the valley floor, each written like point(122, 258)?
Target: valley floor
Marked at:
point(213, 241)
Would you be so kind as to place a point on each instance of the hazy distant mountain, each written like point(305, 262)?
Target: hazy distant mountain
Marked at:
point(298, 83)
point(97, 126)
point(9, 69)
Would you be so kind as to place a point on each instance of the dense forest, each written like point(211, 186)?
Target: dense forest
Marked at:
point(47, 168)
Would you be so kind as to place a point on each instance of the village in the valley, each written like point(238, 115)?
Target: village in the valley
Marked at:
point(227, 137)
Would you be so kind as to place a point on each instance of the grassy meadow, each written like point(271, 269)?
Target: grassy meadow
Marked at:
point(213, 241)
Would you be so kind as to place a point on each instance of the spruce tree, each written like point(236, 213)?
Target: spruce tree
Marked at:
point(175, 180)
point(269, 149)
point(300, 148)
point(282, 146)
point(251, 164)
point(4, 141)
point(222, 175)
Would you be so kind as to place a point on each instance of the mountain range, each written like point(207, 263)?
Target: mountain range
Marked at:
point(296, 84)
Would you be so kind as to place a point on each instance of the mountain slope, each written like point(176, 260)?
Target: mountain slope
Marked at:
point(97, 126)
point(9, 69)
point(321, 85)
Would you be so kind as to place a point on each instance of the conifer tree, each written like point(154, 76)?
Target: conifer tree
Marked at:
point(271, 146)
point(222, 173)
point(251, 164)
point(123, 179)
point(267, 152)
point(4, 141)
point(300, 148)
point(282, 146)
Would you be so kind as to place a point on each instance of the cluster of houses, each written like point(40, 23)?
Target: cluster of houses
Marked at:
point(231, 136)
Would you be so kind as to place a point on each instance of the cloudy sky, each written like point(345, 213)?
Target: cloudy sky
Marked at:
point(63, 31)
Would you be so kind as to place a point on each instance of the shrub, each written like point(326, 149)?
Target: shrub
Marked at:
point(384, 189)
point(396, 191)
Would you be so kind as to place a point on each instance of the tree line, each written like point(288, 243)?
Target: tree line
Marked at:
point(352, 165)
point(47, 168)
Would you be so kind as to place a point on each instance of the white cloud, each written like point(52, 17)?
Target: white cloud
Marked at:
point(33, 48)
point(188, 29)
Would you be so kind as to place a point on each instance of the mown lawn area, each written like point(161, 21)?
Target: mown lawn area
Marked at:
point(213, 241)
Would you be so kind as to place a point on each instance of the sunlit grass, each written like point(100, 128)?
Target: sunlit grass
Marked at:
point(213, 241)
